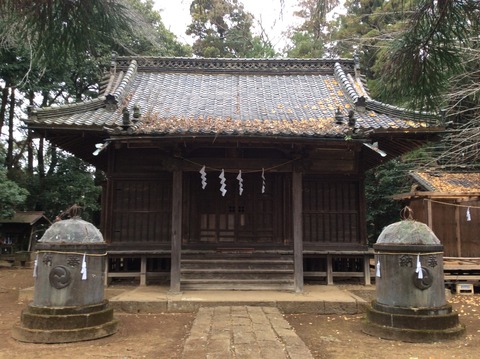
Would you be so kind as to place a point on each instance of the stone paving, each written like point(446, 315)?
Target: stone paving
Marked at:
point(243, 332)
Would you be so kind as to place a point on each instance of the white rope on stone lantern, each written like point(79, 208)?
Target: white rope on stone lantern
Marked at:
point(84, 268)
point(419, 270)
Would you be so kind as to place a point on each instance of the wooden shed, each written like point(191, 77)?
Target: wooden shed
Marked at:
point(449, 203)
point(234, 173)
point(19, 233)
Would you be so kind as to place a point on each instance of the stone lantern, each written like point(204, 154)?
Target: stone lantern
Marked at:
point(68, 304)
point(410, 302)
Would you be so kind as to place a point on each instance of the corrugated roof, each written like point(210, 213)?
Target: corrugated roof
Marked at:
point(448, 182)
point(265, 97)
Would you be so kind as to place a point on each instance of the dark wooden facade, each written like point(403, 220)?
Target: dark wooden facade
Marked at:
point(296, 129)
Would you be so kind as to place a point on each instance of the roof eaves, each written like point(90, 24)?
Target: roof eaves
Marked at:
point(430, 118)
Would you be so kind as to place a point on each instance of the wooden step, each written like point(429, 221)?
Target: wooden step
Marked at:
point(239, 284)
point(240, 271)
point(252, 264)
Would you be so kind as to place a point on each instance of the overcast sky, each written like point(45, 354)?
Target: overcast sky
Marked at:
point(176, 17)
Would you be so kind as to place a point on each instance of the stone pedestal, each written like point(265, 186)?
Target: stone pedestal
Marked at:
point(410, 300)
point(68, 304)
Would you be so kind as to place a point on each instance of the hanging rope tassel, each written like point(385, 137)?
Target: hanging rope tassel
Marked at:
point(35, 266)
point(84, 268)
point(419, 270)
point(377, 273)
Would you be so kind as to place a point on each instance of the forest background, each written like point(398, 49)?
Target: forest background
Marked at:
point(420, 54)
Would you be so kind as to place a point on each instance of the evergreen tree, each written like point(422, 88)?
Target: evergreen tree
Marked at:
point(222, 28)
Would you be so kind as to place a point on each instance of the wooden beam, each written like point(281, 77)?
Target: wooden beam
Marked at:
point(297, 193)
point(177, 187)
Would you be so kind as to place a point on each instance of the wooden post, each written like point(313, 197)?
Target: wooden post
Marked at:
point(366, 269)
point(458, 232)
point(329, 269)
point(297, 192)
point(429, 214)
point(177, 187)
point(143, 270)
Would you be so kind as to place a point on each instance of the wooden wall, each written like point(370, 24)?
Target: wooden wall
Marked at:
point(448, 220)
point(331, 212)
point(139, 202)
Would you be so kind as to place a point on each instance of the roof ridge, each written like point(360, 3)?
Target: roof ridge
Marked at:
point(234, 65)
point(342, 78)
point(125, 82)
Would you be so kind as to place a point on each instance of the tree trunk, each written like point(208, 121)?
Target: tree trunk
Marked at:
point(11, 115)
point(30, 140)
point(3, 106)
point(53, 160)
point(29, 153)
point(41, 162)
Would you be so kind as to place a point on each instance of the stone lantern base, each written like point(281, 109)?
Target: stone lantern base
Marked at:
point(415, 325)
point(65, 324)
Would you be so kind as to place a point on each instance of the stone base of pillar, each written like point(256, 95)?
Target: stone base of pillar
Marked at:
point(415, 325)
point(65, 324)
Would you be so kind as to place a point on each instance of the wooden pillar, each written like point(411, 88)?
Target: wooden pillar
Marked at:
point(329, 269)
point(429, 214)
point(458, 232)
point(297, 192)
point(366, 269)
point(177, 187)
point(143, 271)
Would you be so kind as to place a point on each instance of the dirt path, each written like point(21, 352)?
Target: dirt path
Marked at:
point(164, 335)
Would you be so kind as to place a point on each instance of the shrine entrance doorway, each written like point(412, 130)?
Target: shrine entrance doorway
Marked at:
point(258, 216)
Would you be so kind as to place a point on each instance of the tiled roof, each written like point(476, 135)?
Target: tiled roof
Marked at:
point(448, 182)
point(289, 97)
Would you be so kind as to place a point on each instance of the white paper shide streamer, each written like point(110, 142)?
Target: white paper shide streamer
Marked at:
point(378, 273)
point(240, 182)
point(35, 266)
point(263, 180)
point(223, 187)
point(204, 177)
point(419, 270)
point(469, 217)
point(84, 268)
